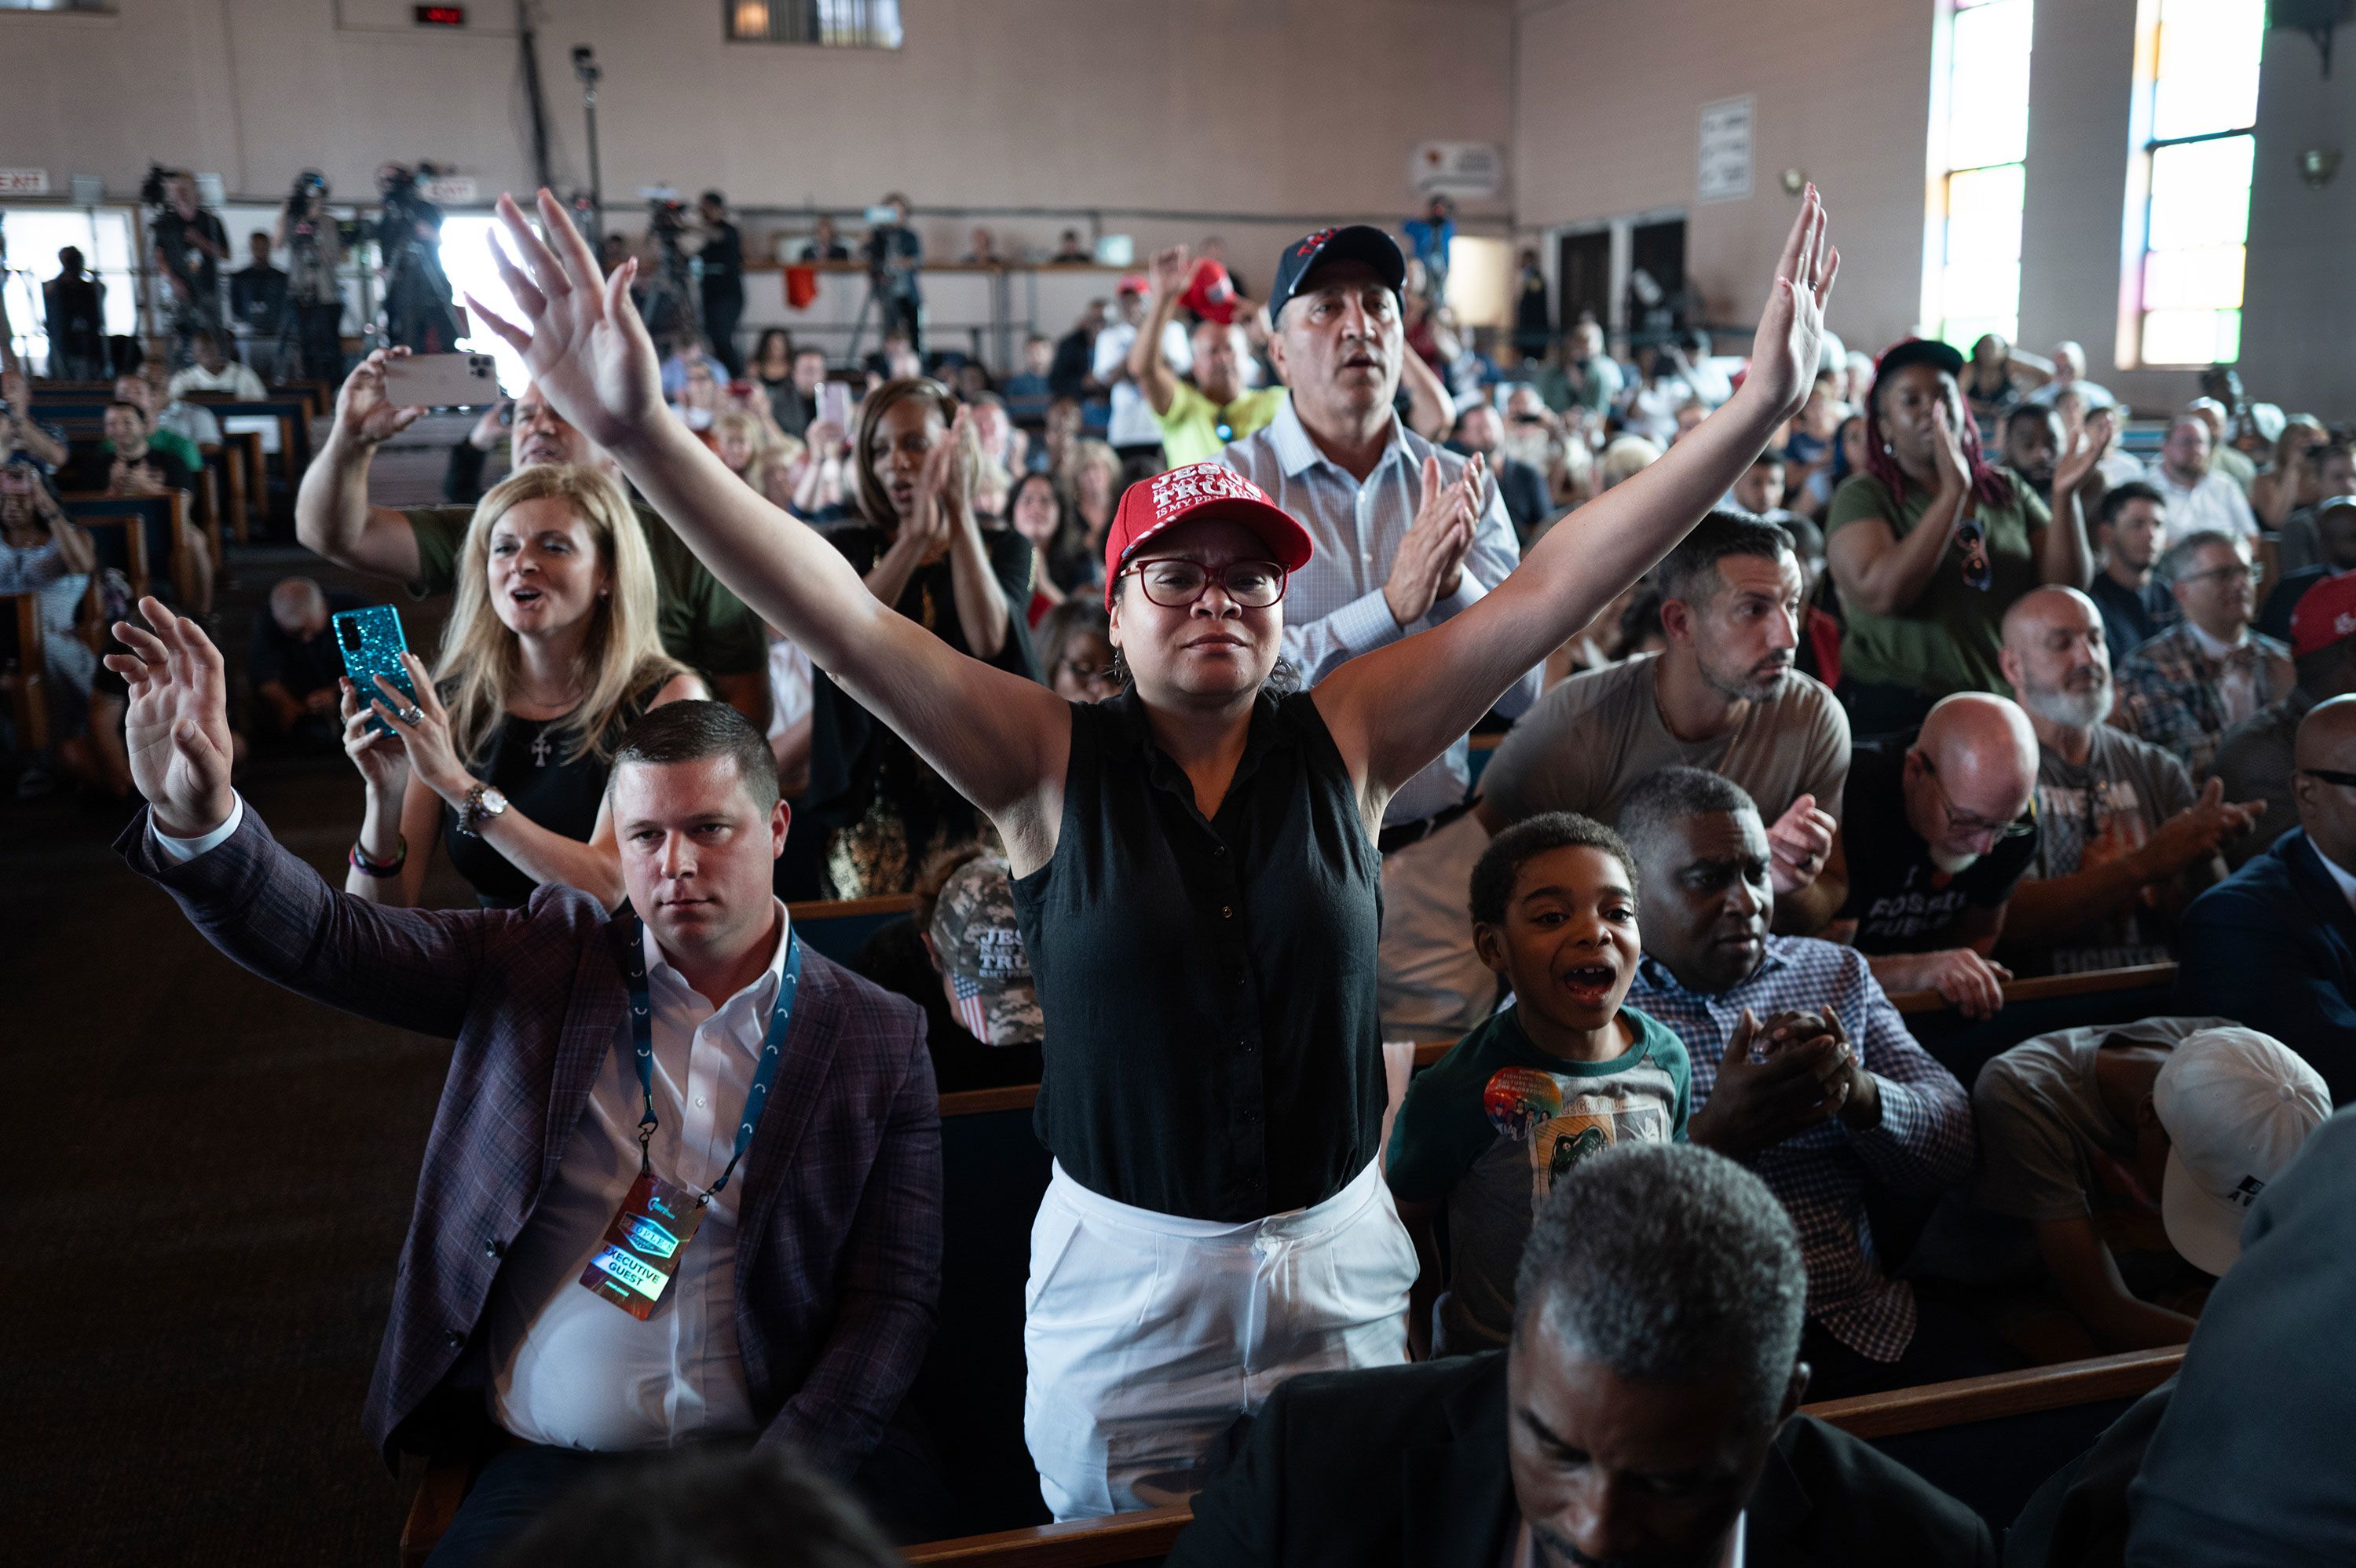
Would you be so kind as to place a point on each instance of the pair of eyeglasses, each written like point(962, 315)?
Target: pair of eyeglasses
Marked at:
point(2240, 572)
point(1973, 539)
point(1175, 583)
point(1965, 823)
point(2331, 776)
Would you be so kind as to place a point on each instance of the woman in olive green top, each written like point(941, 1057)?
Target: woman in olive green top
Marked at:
point(1931, 544)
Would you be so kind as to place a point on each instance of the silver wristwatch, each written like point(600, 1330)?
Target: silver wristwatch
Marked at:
point(483, 803)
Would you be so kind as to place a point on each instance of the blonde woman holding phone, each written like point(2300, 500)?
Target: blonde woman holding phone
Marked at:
point(549, 652)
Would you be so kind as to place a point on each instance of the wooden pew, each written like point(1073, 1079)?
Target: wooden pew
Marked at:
point(121, 543)
point(162, 521)
point(2098, 1384)
point(23, 669)
point(838, 927)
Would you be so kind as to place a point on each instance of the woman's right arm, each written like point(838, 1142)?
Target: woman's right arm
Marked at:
point(590, 356)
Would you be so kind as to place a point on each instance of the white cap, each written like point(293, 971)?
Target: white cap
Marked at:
point(2236, 1106)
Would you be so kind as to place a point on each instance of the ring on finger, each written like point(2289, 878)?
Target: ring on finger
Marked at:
point(413, 714)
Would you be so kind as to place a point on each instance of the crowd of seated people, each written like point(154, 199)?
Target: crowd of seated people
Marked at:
point(1824, 679)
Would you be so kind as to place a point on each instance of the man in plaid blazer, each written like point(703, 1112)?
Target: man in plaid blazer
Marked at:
point(802, 1308)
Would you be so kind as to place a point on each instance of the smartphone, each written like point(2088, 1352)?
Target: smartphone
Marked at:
point(442, 381)
point(372, 645)
point(834, 404)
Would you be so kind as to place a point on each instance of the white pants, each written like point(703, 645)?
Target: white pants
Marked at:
point(1430, 984)
point(1147, 1335)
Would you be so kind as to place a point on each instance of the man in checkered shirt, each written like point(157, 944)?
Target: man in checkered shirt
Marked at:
point(1803, 1071)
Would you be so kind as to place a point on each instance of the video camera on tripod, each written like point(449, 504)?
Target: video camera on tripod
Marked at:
point(672, 309)
point(417, 305)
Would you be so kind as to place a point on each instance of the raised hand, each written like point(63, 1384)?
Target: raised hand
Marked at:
point(1171, 270)
point(1430, 563)
point(2077, 463)
point(581, 337)
point(1790, 341)
point(382, 759)
point(363, 412)
point(1799, 842)
point(176, 725)
point(424, 731)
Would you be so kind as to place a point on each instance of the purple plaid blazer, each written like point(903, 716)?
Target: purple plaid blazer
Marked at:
point(839, 1258)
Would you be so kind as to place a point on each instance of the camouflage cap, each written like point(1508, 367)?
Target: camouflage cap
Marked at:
point(980, 955)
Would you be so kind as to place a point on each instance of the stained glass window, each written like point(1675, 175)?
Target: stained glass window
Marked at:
point(1975, 282)
point(2202, 104)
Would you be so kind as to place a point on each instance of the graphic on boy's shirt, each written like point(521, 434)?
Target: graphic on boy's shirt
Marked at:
point(1560, 1120)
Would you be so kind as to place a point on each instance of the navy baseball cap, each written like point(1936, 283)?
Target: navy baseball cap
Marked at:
point(1352, 243)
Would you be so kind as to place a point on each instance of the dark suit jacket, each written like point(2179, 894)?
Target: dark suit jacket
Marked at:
point(1407, 1465)
point(837, 1261)
point(2274, 947)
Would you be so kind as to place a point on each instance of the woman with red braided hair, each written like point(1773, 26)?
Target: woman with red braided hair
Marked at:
point(1931, 544)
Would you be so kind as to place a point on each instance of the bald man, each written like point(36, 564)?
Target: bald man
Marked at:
point(1935, 832)
point(294, 662)
point(2123, 838)
point(2274, 947)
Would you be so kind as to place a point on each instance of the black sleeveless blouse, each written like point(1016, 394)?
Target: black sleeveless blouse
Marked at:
point(1213, 1046)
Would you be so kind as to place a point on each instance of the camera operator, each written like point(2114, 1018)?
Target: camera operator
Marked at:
point(190, 246)
point(417, 309)
point(893, 254)
point(314, 239)
point(257, 298)
point(722, 256)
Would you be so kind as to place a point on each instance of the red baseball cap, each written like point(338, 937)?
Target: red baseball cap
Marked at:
point(1200, 490)
point(2325, 614)
point(1210, 293)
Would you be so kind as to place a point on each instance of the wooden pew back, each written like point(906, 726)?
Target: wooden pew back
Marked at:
point(1986, 1416)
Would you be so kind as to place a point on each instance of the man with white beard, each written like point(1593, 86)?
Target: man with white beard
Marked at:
point(2124, 841)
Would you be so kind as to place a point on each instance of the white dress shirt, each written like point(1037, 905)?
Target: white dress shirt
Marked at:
point(572, 1371)
point(2215, 503)
point(1334, 607)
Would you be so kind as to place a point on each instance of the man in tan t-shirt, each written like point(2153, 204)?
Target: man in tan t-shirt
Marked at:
point(1722, 695)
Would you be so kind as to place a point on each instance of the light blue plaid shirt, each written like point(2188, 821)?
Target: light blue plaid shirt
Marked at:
point(1333, 608)
point(1923, 1144)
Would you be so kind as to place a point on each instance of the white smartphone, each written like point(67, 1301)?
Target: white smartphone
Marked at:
point(442, 381)
point(834, 403)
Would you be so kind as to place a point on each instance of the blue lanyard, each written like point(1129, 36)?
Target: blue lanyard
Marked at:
point(642, 1036)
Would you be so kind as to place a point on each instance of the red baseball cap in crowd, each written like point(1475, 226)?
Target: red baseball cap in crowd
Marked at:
point(1135, 283)
point(2325, 614)
point(1210, 293)
point(1200, 490)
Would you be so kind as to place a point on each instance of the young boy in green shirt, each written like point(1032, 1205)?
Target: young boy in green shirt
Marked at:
point(1564, 1071)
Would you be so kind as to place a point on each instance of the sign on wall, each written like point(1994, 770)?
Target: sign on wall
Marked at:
point(1456, 169)
point(1725, 168)
point(23, 182)
point(449, 190)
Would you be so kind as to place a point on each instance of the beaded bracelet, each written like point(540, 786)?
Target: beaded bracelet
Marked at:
point(367, 868)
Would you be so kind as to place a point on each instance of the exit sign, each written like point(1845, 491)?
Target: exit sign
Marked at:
point(441, 15)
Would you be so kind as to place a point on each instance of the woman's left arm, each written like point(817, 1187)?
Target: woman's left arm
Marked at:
point(1392, 710)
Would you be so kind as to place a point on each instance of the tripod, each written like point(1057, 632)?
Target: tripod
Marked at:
point(673, 311)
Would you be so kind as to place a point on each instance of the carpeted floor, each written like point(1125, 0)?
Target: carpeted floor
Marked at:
point(211, 1181)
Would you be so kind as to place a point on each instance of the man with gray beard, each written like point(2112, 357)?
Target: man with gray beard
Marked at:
point(2123, 839)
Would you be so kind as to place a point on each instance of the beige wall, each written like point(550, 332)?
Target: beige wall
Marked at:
point(1843, 90)
point(1609, 94)
point(1296, 109)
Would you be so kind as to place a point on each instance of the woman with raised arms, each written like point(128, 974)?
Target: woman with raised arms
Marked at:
point(1195, 862)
